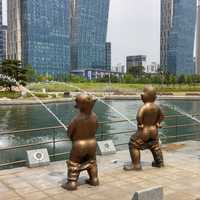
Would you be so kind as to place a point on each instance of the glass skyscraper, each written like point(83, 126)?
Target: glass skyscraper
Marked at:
point(45, 34)
point(180, 50)
point(88, 34)
point(165, 28)
point(2, 28)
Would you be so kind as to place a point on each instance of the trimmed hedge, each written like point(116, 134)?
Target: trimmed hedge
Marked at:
point(10, 95)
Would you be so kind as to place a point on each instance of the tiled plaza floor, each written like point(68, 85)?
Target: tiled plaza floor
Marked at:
point(180, 178)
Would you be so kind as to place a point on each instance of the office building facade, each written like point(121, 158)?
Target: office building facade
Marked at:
point(14, 30)
point(4, 30)
point(3, 35)
point(198, 40)
point(108, 55)
point(180, 47)
point(165, 28)
point(39, 34)
point(88, 33)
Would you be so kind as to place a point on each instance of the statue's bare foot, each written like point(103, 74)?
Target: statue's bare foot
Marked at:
point(132, 167)
point(158, 165)
point(71, 185)
point(93, 182)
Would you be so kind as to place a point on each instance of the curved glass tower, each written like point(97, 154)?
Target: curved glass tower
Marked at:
point(180, 51)
point(42, 28)
point(89, 31)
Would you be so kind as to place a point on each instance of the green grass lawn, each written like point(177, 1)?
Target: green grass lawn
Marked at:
point(100, 87)
point(37, 88)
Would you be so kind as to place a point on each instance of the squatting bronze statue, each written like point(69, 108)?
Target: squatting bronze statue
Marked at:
point(149, 117)
point(81, 131)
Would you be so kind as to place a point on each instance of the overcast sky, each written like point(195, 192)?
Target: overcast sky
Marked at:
point(134, 28)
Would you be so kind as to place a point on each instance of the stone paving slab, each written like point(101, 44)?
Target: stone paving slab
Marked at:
point(180, 178)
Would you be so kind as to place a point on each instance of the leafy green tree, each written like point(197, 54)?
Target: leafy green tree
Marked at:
point(31, 74)
point(76, 79)
point(189, 80)
point(181, 79)
point(13, 69)
point(128, 78)
point(172, 79)
point(137, 71)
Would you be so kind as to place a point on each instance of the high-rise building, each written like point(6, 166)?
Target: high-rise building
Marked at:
point(108, 55)
point(152, 68)
point(180, 45)
point(39, 34)
point(89, 31)
point(165, 28)
point(198, 40)
point(14, 29)
point(3, 35)
point(4, 29)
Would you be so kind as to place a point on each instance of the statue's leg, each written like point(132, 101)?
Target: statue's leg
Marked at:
point(93, 174)
point(73, 174)
point(134, 149)
point(157, 155)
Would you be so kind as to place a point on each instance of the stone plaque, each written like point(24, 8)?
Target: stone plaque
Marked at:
point(155, 193)
point(38, 157)
point(106, 147)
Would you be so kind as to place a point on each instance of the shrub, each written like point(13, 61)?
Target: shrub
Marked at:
point(10, 95)
point(39, 95)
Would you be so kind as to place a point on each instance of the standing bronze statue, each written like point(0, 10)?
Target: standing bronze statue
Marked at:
point(81, 131)
point(149, 117)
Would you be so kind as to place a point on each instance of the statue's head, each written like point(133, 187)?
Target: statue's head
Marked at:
point(85, 103)
point(149, 94)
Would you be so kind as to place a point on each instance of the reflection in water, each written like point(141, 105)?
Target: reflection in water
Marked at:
point(23, 117)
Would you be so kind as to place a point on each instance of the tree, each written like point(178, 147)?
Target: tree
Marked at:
point(31, 74)
point(128, 78)
point(181, 79)
point(172, 79)
point(136, 70)
point(13, 71)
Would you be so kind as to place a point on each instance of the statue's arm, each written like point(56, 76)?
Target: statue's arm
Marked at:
point(139, 118)
point(160, 118)
point(71, 128)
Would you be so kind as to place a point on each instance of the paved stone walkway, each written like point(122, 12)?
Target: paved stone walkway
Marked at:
point(180, 178)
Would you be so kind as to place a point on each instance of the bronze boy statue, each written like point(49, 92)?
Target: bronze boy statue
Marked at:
point(82, 131)
point(149, 117)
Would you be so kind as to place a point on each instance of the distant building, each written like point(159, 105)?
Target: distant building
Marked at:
point(88, 33)
point(14, 30)
point(198, 40)
point(165, 28)
point(3, 36)
point(5, 46)
point(136, 64)
point(108, 55)
point(180, 35)
point(39, 34)
point(119, 68)
point(152, 68)
point(92, 74)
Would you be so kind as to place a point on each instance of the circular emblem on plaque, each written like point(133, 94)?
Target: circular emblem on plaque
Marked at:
point(106, 146)
point(38, 156)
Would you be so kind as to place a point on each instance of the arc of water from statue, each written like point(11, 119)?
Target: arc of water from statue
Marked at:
point(49, 110)
point(38, 99)
point(46, 107)
point(103, 102)
point(181, 111)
